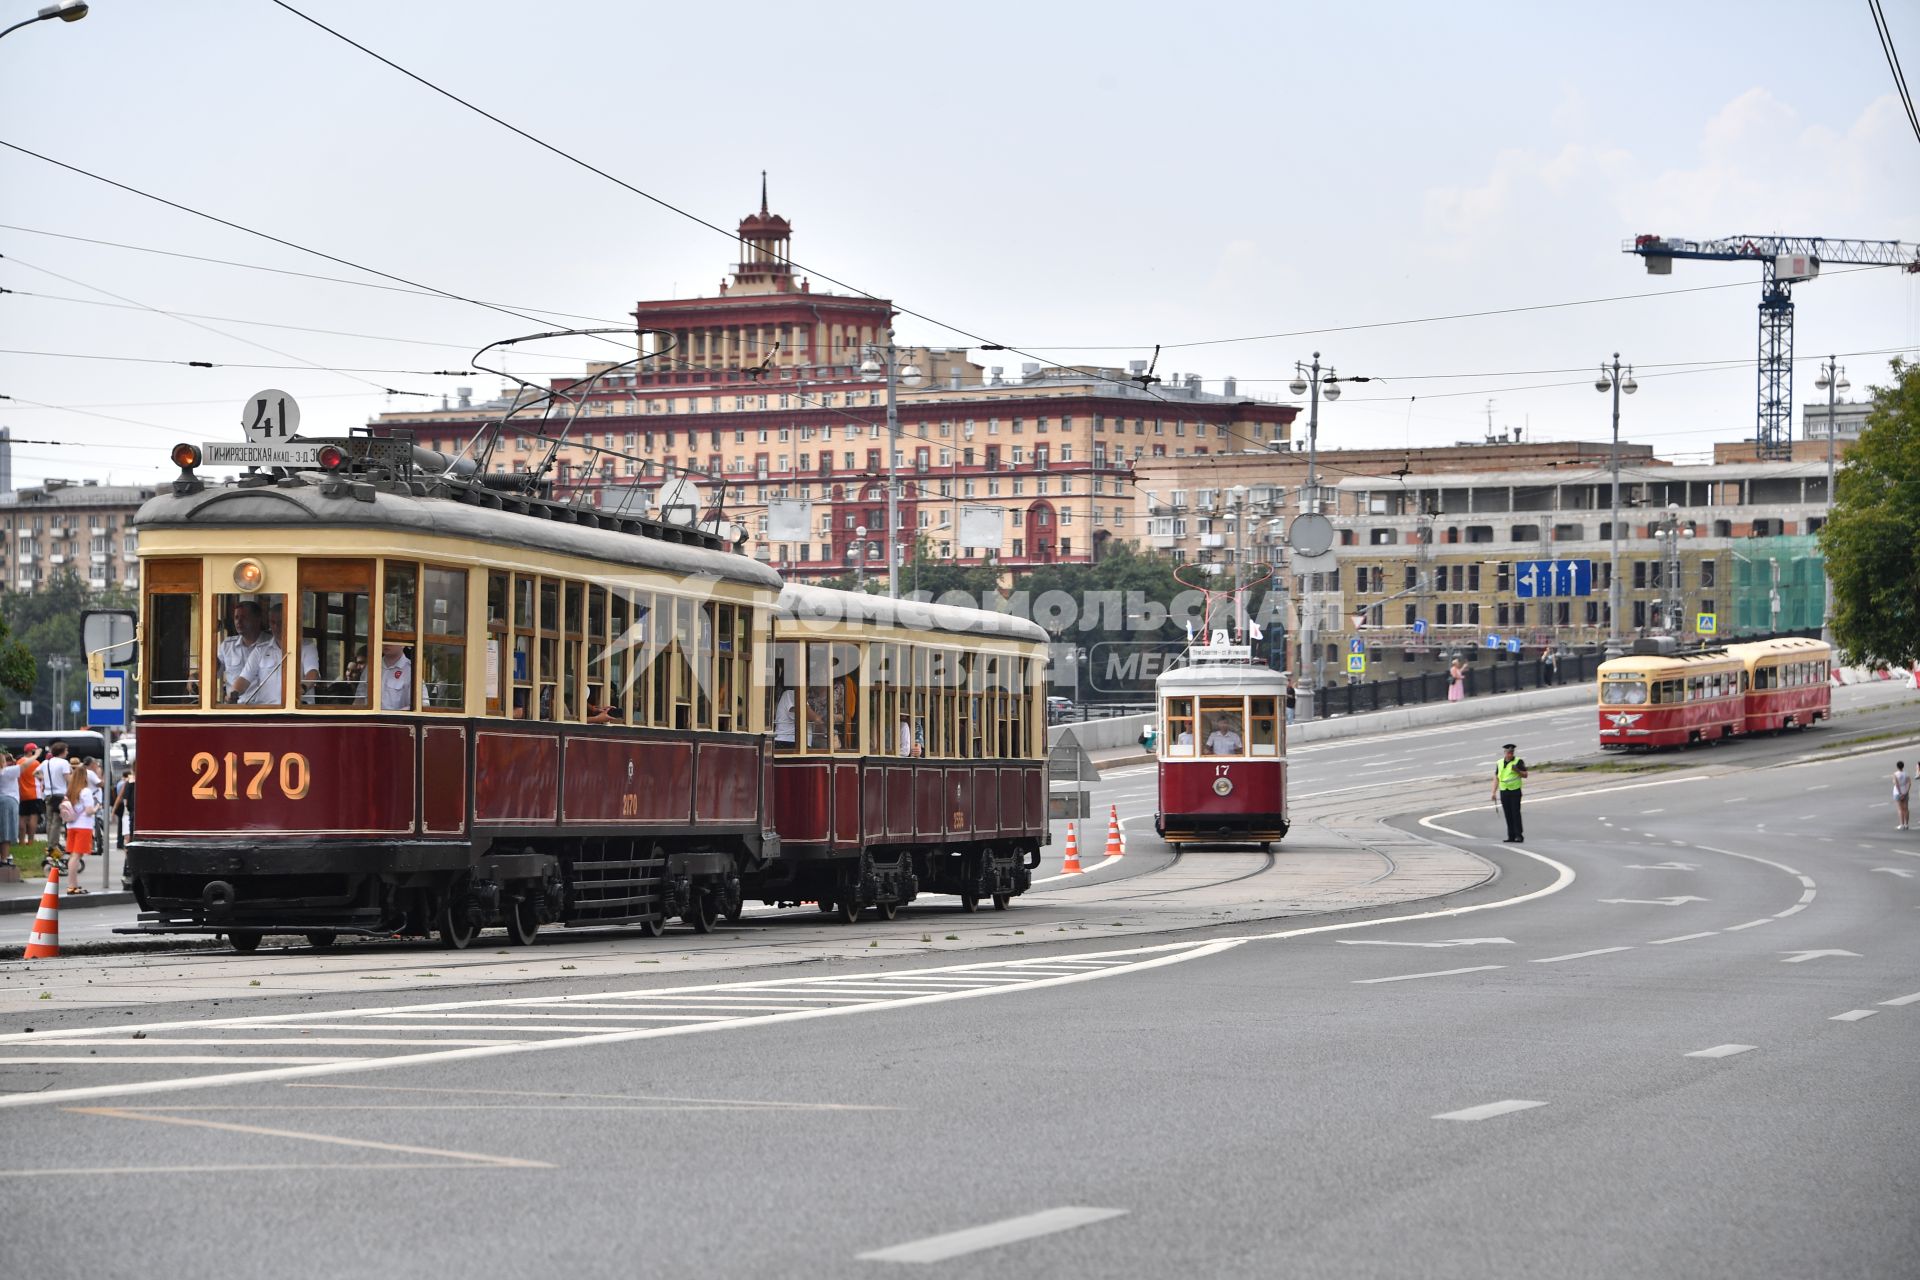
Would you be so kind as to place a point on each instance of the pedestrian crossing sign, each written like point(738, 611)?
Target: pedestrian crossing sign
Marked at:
point(1356, 664)
point(1706, 623)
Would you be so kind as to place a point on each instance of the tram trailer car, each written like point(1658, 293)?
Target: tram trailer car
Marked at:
point(501, 710)
point(1222, 751)
point(909, 753)
point(1789, 682)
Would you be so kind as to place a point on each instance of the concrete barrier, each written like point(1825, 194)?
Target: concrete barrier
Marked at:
point(1123, 731)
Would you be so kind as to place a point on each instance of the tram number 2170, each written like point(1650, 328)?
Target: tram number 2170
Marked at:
point(245, 774)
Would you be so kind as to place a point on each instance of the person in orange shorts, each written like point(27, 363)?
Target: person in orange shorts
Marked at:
point(79, 819)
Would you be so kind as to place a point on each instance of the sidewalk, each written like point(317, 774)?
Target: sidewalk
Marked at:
point(25, 896)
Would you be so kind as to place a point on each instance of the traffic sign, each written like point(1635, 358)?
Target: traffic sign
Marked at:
point(1356, 645)
point(107, 701)
point(1539, 579)
point(1493, 641)
point(1419, 626)
point(216, 454)
point(1513, 645)
point(1356, 664)
point(270, 417)
point(73, 708)
point(1706, 624)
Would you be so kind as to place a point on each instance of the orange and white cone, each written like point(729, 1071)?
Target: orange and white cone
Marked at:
point(1071, 867)
point(44, 942)
point(1115, 849)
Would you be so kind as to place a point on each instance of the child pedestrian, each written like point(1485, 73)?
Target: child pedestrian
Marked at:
point(78, 816)
point(1902, 793)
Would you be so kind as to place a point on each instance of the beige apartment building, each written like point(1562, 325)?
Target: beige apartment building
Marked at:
point(61, 525)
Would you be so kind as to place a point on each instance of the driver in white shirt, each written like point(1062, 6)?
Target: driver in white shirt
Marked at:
point(249, 659)
point(1224, 740)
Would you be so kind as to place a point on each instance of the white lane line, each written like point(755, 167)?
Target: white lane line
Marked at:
point(1900, 1000)
point(1438, 973)
point(1722, 1051)
point(1793, 910)
point(1822, 787)
point(1488, 1110)
point(1735, 800)
point(1685, 937)
point(185, 1060)
point(1751, 924)
point(1150, 957)
point(1009, 1231)
point(333, 1042)
point(1648, 813)
point(1582, 955)
point(1853, 1015)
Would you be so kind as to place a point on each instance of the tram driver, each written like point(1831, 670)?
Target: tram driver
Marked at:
point(250, 661)
point(1225, 738)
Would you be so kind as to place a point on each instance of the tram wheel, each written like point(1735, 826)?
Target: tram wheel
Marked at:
point(245, 942)
point(847, 910)
point(970, 900)
point(700, 913)
point(1001, 901)
point(888, 910)
point(523, 922)
point(322, 939)
point(736, 911)
point(1266, 846)
point(456, 929)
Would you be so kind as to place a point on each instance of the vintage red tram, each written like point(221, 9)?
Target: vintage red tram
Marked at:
point(908, 740)
point(367, 705)
point(1222, 749)
point(1789, 682)
point(1673, 699)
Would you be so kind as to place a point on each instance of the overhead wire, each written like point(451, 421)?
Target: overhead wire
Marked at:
point(1893, 63)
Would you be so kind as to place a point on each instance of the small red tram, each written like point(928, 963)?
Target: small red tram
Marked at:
point(1222, 753)
point(1668, 700)
point(378, 701)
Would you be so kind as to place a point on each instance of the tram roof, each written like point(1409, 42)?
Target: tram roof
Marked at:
point(253, 506)
point(825, 604)
point(1645, 663)
point(1220, 678)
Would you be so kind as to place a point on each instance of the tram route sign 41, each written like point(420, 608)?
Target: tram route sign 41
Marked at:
point(1541, 579)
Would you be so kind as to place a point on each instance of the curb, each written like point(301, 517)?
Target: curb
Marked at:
point(91, 898)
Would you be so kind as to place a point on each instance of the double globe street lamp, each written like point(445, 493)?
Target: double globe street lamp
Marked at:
point(897, 375)
point(1611, 380)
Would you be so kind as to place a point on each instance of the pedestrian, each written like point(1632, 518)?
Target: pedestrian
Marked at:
point(1902, 794)
point(1508, 775)
point(53, 776)
point(1293, 699)
point(1551, 662)
point(123, 806)
point(31, 806)
point(1456, 681)
point(9, 807)
point(77, 815)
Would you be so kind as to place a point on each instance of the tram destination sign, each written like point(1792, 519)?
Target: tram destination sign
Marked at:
point(222, 454)
point(1540, 579)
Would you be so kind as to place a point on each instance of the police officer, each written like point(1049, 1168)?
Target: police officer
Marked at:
point(1508, 775)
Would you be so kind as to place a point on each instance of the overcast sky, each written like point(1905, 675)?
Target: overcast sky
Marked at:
point(1084, 180)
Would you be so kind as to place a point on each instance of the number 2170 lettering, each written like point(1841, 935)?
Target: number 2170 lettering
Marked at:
point(236, 774)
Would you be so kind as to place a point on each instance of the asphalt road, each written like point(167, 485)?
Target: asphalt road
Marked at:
point(1676, 1034)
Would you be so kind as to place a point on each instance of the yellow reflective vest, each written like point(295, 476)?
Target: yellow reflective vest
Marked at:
point(1508, 771)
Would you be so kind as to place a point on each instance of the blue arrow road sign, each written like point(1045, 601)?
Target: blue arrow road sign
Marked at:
point(1539, 579)
point(1356, 645)
point(1493, 641)
point(1419, 626)
point(1513, 646)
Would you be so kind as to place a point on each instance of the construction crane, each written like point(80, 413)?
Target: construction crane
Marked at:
point(1784, 260)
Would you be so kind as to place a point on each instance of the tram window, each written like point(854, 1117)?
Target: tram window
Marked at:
point(336, 608)
point(400, 625)
point(1221, 721)
point(881, 701)
point(617, 698)
point(816, 709)
point(520, 661)
point(1179, 729)
point(252, 666)
point(680, 662)
point(785, 691)
point(1263, 727)
point(596, 628)
point(725, 656)
point(443, 639)
point(172, 635)
point(706, 668)
point(743, 672)
point(846, 697)
point(498, 636)
point(572, 640)
point(1623, 693)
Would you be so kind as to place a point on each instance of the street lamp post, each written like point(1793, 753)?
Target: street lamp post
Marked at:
point(70, 11)
point(1610, 380)
point(59, 664)
point(910, 375)
point(1832, 379)
point(1239, 492)
point(859, 550)
point(1310, 379)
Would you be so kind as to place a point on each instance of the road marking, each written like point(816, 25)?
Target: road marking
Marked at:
point(1009, 1231)
point(1900, 1000)
point(1450, 942)
point(466, 1157)
point(1751, 924)
point(1903, 872)
point(747, 1104)
point(1648, 813)
point(176, 1060)
point(1663, 866)
point(1582, 955)
point(1486, 1111)
point(1853, 1015)
point(1735, 800)
point(1801, 957)
point(1722, 1051)
point(1438, 973)
point(1685, 937)
point(1680, 900)
point(1822, 787)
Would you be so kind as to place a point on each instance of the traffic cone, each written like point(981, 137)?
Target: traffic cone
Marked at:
point(44, 942)
point(1115, 849)
point(1071, 867)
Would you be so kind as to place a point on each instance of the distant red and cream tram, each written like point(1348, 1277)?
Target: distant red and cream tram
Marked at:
point(1789, 682)
point(1669, 700)
point(1222, 749)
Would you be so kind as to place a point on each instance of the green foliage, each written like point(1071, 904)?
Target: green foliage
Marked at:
point(40, 625)
point(1121, 569)
point(1872, 543)
point(926, 577)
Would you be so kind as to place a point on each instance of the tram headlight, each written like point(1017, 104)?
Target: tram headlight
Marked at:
point(186, 456)
point(248, 575)
point(331, 457)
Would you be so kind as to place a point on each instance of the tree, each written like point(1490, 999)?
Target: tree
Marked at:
point(1872, 542)
point(44, 624)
